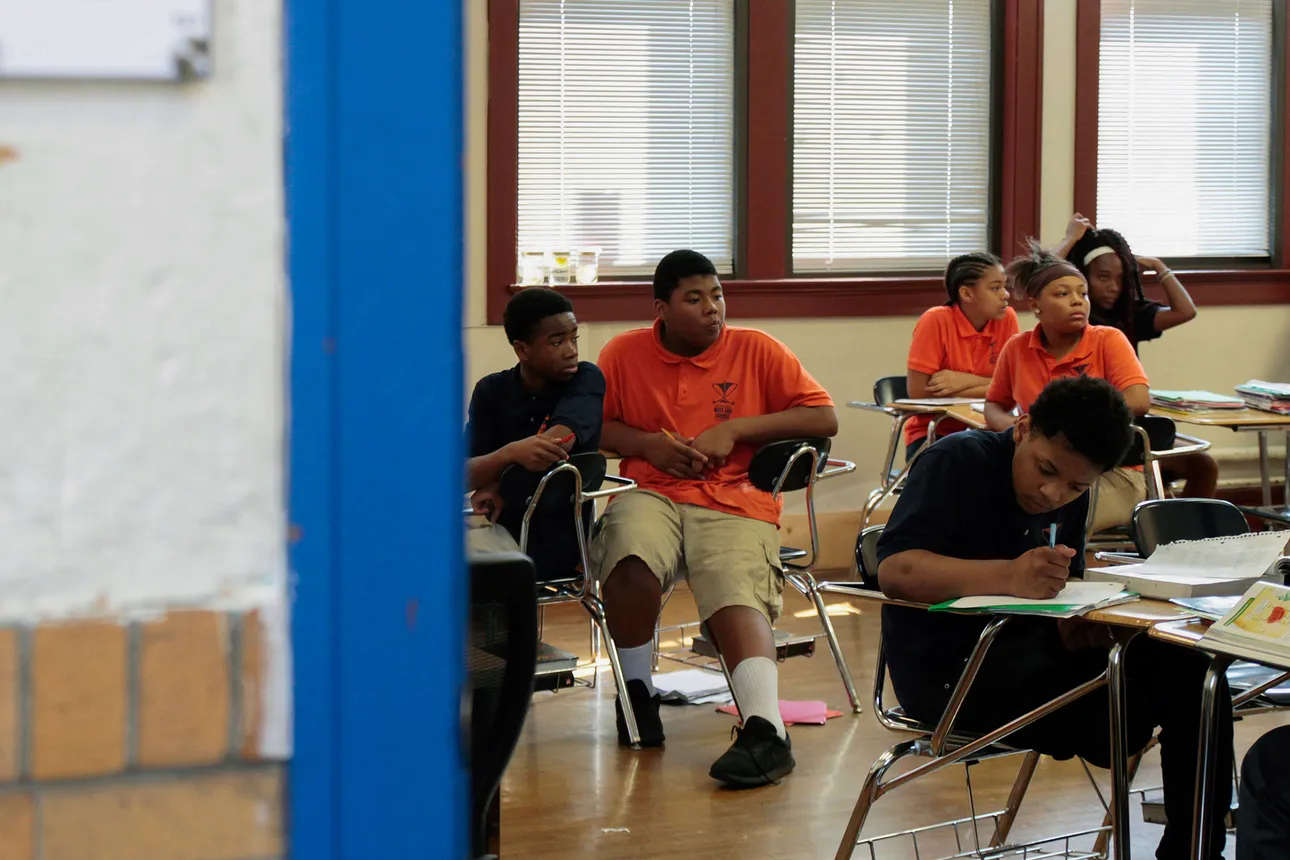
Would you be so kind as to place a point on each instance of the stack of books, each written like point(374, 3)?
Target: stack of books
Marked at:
point(1200, 568)
point(1268, 396)
point(1194, 401)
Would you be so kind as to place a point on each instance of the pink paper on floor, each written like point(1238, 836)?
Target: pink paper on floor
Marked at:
point(796, 713)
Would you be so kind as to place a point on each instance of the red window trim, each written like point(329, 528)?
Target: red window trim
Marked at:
point(1253, 286)
point(766, 291)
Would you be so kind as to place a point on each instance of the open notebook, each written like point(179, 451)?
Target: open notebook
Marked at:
point(1200, 568)
point(1257, 627)
point(1075, 599)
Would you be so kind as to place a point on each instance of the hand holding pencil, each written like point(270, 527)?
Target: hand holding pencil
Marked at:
point(672, 453)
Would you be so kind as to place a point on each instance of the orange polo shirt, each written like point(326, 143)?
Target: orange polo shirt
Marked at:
point(1025, 366)
point(745, 373)
point(945, 339)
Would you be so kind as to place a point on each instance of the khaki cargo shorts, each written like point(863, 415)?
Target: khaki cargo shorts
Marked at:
point(729, 560)
point(487, 538)
point(1118, 492)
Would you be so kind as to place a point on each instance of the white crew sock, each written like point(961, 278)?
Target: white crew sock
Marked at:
point(756, 687)
point(638, 664)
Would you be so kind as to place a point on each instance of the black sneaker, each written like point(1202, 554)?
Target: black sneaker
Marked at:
point(645, 709)
point(757, 757)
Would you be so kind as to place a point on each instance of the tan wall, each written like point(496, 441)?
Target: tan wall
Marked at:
point(133, 740)
point(1223, 347)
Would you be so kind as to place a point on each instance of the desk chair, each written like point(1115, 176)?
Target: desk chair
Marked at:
point(1156, 441)
point(887, 390)
point(782, 467)
point(945, 745)
point(568, 488)
point(501, 661)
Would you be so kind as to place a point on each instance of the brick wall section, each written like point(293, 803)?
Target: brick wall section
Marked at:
point(136, 741)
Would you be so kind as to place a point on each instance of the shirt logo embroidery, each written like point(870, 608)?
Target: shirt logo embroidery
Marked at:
point(1082, 369)
point(723, 407)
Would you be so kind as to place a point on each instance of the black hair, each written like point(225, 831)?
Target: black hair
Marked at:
point(1131, 293)
point(1023, 272)
point(676, 267)
point(967, 269)
point(1090, 414)
point(526, 310)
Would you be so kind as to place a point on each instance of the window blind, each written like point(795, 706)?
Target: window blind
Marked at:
point(626, 118)
point(891, 133)
point(1184, 125)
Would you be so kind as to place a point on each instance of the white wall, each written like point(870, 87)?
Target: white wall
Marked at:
point(142, 334)
point(846, 355)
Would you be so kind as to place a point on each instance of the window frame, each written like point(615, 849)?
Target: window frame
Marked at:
point(1209, 280)
point(764, 286)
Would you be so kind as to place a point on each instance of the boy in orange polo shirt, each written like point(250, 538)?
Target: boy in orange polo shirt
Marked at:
point(955, 346)
point(1064, 345)
point(687, 404)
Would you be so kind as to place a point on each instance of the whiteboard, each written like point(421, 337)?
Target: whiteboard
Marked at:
point(167, 40)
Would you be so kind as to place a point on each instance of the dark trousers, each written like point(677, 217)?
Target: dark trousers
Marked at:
point(1163, 689)
point(1263, 820)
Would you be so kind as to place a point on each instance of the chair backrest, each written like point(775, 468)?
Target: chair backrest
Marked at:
point(1161, 432)
point(890, 388)
point(770, 461)
point(1162, 521)
point(501, 663)
point(867, 556)
point(518, 485)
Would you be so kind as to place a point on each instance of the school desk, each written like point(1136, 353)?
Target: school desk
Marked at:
point(1241, 421)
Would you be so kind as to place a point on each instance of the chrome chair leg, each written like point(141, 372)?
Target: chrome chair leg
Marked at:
point(805, 583)
point(870, 792)
point(597, 611)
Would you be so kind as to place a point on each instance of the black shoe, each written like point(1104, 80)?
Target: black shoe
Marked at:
point(645, 709)
point(757, 757)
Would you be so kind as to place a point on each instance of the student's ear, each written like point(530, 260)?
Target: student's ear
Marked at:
point(660, 309)
point(1021, 429)
point(1034, 305)
point(965, 294)
point(521, 349)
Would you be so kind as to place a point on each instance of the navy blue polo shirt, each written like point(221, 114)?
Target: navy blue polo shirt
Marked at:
point(958, 501)
point(502, 410)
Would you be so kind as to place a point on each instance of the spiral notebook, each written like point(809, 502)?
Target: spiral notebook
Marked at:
point(1200, 568)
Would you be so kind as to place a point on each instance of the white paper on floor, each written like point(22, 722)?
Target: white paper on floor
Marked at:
point(693, 687)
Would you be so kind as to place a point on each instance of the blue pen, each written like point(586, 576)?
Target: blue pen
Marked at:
point(1052, 536)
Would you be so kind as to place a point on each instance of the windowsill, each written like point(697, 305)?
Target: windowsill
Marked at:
point(880, 296)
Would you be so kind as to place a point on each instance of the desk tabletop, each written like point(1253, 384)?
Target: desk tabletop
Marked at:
point(965, 414)
point(1231, 418)
point(1140, 613)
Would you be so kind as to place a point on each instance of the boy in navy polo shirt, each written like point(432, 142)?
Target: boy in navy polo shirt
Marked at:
point(532, 416)
point(975, 517)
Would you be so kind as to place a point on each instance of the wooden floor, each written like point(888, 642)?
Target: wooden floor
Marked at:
point(571, 792)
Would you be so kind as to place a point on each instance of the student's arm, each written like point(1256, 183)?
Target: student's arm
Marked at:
point(999, 401)
point(489, 459)
point(954, 383)
point(918, 543)
point(580, 410)
point(1181, 308)
point(1124, 371)
point(1075, 230)
point(796, 405)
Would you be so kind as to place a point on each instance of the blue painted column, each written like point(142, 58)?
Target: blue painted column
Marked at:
point(373, 181)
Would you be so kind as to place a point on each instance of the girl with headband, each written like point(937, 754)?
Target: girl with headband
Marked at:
point(1114, 275)
point(1064, 344)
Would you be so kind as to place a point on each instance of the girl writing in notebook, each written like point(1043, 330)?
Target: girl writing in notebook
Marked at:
point(955, 346)
point(1114, 274)
point(1064, 344)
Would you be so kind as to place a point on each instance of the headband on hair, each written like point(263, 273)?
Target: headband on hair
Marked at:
point(1097, 252)
point(1050, 273)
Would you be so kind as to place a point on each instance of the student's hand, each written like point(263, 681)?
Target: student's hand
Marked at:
point(715, 443)
point(1042, 572)
point(1077, 227)
point(1080, 635)
point(1150, 264)
point(487, 502)
point(535, 453)
point(676, 457)
point(947, 383)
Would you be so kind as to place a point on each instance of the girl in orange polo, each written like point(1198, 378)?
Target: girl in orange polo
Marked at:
point(1065, 344)
point(955, 346)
